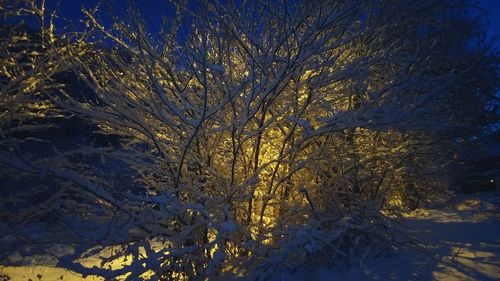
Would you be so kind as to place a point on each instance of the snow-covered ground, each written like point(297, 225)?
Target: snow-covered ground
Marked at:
point(459, 240)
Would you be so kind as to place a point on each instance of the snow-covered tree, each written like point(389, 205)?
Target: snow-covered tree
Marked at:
point(262, 135)
point(29, 58)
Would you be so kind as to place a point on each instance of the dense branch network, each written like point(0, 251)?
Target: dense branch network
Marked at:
point(272, 133)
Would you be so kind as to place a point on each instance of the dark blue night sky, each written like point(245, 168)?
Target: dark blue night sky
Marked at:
point(493, 19)
point(71, 9)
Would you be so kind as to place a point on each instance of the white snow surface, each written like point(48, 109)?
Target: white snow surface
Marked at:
point(457, 240)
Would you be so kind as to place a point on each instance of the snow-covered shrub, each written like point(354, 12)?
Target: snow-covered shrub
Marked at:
point(326, 240)
point(261, 136)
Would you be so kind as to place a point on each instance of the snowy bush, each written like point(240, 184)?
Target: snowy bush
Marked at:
point(272, 135)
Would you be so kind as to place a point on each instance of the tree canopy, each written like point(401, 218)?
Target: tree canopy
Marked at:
point(236, 138)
